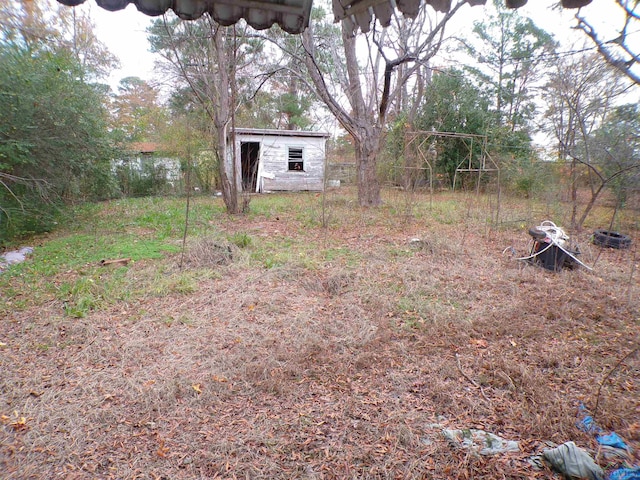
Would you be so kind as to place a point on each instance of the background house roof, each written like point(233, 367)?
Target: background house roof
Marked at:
point(279, 133)
point(144, 147)
point(292, 15)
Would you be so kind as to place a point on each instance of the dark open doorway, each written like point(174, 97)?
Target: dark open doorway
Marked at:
point(249, 158)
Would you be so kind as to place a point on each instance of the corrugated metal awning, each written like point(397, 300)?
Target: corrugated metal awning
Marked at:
point(362, 12)
point(292, 15)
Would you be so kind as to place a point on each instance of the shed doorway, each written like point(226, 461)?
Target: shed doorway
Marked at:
point(250, 159)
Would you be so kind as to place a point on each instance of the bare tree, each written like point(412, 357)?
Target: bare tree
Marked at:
point(47, 24)
point(581, 94)
point(205, 57)
point(360, 86)
point(618, 51)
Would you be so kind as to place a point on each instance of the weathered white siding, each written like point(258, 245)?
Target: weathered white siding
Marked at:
point(274, 173)
point(171, 166)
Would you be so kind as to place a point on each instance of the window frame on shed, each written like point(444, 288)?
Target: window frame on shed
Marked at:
point(292, 161)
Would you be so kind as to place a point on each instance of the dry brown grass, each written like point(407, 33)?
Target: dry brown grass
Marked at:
point(344, 366)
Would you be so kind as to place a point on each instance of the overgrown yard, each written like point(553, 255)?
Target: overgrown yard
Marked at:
point(309, 341)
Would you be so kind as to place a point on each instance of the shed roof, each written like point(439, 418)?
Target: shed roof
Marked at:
point(292, 15)
point(280, 133)
point(144, 147)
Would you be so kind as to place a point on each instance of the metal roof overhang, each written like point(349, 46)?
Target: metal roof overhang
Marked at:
point(361, 12)
point(292, 15)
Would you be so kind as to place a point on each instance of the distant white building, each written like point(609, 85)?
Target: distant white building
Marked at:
point(144, 171)
point(281, 160)
point(143, 157)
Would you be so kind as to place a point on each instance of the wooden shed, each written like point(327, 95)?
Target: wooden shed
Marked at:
point(281, 160)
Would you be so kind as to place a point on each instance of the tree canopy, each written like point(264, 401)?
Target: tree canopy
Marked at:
point(509, 51)
point(454, 105)
point(137, 113)
point(54, 137)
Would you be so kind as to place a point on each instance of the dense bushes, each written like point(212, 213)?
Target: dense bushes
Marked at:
point(54, 145)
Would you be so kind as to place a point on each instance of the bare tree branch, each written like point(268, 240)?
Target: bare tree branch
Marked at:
point(605, 48)
point(323, 91)
point(6, 179)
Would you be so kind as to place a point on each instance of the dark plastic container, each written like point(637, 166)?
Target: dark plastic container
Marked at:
point(553, 258)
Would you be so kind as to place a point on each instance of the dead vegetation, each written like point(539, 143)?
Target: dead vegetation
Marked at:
point(347, 365)
point(207, 252)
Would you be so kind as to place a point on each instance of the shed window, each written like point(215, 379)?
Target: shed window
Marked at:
point(296, 162)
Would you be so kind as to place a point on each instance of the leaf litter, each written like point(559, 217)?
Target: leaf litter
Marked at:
point(349, 369)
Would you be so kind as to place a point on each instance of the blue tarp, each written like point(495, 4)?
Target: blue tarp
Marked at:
point(625, 474)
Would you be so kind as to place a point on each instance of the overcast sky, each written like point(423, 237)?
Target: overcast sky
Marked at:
point(123, 32)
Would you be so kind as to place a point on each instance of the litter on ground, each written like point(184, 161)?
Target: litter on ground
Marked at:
point(625, 474)
point(573, 462)
point(14, 256)
point(479, 441)
point(551, 248)
point(612, 448)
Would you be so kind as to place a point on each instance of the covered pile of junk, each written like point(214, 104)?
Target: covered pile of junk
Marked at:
point(551, 248)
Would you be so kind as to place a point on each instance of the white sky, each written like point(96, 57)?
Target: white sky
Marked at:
point(123, 32)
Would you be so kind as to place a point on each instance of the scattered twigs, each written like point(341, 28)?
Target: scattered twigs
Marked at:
point(615, 367)
point(508, 379)
point(471, 380)
point(117, 261)
point(631, 272)
point(188, 202)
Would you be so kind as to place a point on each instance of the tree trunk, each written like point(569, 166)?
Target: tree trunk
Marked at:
point(366, 138)
point(227, 185)
point(574, 194)
point(366, 165)
point(588, 208)
point(228, 176)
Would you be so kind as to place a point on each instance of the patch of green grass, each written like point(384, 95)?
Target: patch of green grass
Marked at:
point(79, 296)
point(447, 212)
point(412, 320)
point(94, 289)
point(77, 250)
point(309, 219)
point(43, 346)
point(241, 239)
point(275, 204)
point(91, 286)
point(307, 261)
point(77, 217)
point(184, 282)
point(398, 252)
point(81, 307)
point(286, 251)
point(273, 252)
point(167, 223)
point(164, 217)
point(271, 260)
point(342, 254)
